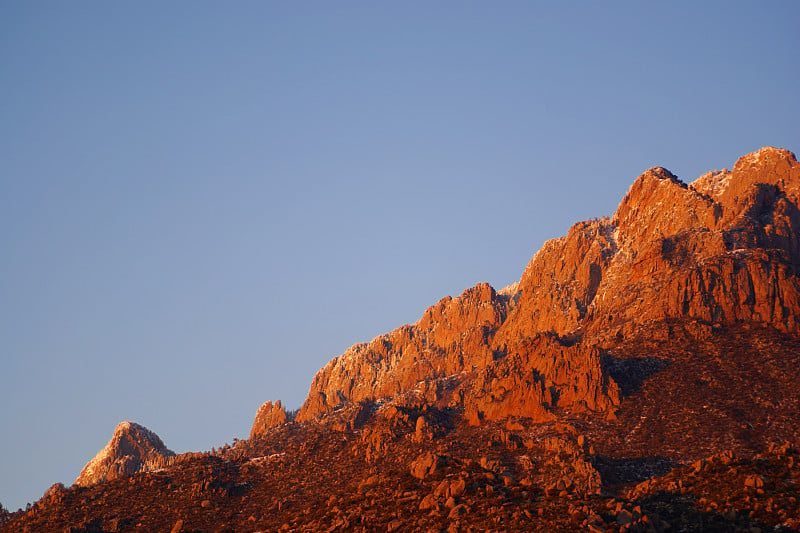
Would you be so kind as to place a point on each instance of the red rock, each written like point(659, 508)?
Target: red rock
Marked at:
point(458, 511)
point(661, 226)
point(55, 494)
point(457, 487)
point(426, 464)
point(132, 448)
point(720, 250)
point(268, 416)
point(451, 335)
point(428, 502)
point(394, 525)
point(703, 275)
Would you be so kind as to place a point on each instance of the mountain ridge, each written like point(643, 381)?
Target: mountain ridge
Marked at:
point(640, 376)
point(709, 254)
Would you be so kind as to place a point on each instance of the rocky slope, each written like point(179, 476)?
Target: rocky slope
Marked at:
point(641, 376)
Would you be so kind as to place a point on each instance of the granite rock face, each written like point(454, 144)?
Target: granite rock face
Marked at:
point(721, 250)
point(133, 448)
point(453, 335)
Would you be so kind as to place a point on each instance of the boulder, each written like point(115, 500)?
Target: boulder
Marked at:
point(426, 464)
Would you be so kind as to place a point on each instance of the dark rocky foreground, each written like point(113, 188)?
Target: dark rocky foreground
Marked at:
point(703, 440)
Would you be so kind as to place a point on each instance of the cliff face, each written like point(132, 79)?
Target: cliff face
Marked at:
point(720, 250)
point(453, 335)
point(449, 358)
point(132, 448)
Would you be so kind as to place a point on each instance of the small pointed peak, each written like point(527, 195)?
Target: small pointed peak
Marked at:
point(643, 189)
point(661, 173)
point(139, 432)
point(132, 448)
point(268, 416)
point(54, 492)
point(766, 156)
point(482, 292)
point(125, 425)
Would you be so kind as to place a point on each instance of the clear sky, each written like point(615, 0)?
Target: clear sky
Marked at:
point(204, 202)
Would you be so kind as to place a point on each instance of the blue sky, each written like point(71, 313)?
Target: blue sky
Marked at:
point(201, 203)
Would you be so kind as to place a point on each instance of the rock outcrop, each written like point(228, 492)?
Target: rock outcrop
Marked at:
point(453, 335)
point(133, 448)
point(721, 250)
point(448, 358)
point(268, 416)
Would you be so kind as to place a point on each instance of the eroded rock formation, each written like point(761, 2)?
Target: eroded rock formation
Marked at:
point(133, 448)
point(453, 335)
point(268, 416)
point(720, 250)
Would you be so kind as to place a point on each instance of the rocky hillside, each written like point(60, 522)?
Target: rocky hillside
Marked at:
point(641, 376)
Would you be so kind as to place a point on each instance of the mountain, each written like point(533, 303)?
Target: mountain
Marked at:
point(641, 376)
point(722, 250)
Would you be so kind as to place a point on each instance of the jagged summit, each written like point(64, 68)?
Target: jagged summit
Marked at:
point(132, 448)
point(721, 250)
point(769, 157)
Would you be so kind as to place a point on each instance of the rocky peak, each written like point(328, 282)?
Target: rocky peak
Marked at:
point(452, 335)
point(712, 183)
point(268, 416)
point(132, 448)
point(769, 159)
point(723, 249)
point(767, 172)
point(720, 251)
point(446, 321)
point(561, 281)
point(658, 205)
